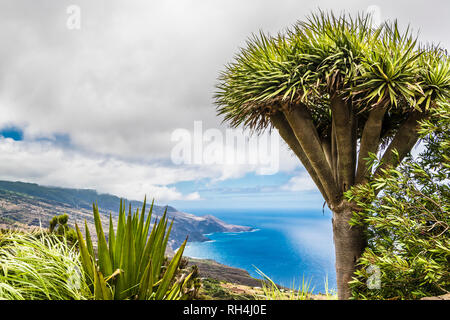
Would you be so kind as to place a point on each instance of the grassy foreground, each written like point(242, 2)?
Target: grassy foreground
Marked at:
point(44, 266)
point(40, 266)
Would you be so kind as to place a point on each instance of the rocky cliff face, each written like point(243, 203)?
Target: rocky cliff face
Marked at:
point(195, 226)
point(25, 205)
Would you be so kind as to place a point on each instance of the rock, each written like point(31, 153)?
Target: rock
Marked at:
point(442, 297)
point(211, 269)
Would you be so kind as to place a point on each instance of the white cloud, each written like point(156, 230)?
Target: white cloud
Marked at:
point(136, 71)
point(46, 164)
point(132, 74)
point(300, 182)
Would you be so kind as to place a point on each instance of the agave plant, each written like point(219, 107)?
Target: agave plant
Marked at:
point(128, 264)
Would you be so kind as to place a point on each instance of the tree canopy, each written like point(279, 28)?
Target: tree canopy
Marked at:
point(379, 69)
point(327, 55)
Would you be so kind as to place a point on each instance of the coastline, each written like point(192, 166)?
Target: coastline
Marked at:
point(210, 268)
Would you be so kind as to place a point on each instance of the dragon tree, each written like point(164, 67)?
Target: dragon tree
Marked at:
point(339, 90)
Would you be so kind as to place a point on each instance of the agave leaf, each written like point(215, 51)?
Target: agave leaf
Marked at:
point(149, 216)
point(89, 245)
point(104, 257)
point(98, 294)
point(170, 272)
point(166, 239)
point(134, 217)
point(101, 290)
point(128, 255)
point(84, 254)
point(111, 240)
point(120, 235)
point(140, 233)
point(146, 283)
point(146, 256)
point(157, 250)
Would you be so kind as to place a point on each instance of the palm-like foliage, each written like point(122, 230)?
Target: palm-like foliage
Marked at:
point(329, 54)
point(331, 86)
point(129, 264)
point(331, 58)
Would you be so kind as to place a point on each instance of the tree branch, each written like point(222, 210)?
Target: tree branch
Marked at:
point(344, 123)
point(326, 147)
point(282, 125)
point(404, 140)
point(303, 127)
point(334, 154)
point(354, 141)
point(370, 142)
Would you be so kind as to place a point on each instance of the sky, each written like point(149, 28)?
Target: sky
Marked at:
point(103, 94)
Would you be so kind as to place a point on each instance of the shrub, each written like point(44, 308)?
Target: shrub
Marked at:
point(59, 226)
point(409, 224)
point(213, 289)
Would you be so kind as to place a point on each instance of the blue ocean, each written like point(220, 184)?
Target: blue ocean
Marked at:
point(286, 245)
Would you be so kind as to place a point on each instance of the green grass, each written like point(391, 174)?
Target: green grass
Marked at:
point(213, 290)
point(271, 291)
point(40, 266)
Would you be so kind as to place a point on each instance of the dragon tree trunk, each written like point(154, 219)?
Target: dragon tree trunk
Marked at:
point(349, 243)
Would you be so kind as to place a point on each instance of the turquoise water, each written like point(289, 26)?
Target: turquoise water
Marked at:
point(285, 245)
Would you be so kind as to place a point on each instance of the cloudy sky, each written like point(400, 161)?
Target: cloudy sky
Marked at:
point(97, 106)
